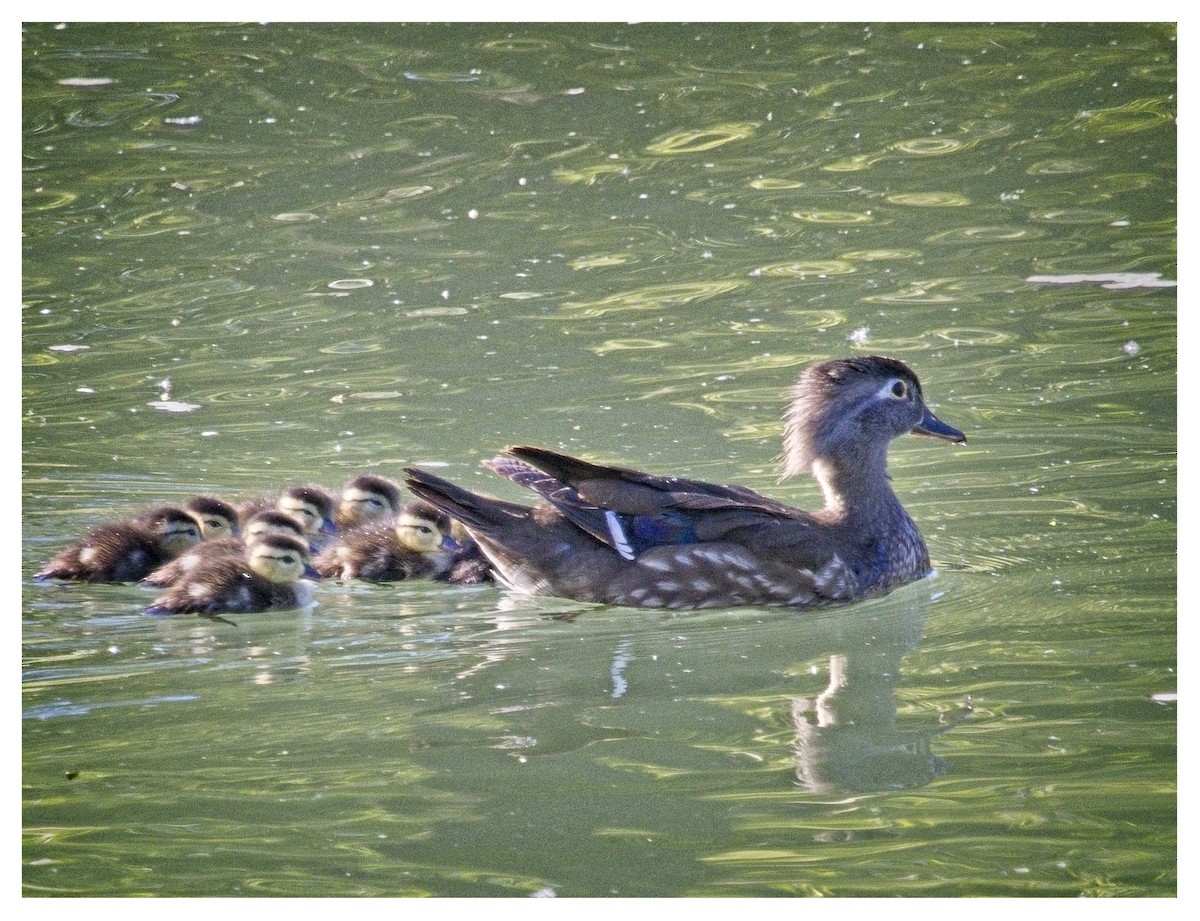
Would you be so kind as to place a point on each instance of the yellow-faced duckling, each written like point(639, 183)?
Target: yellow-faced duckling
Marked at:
point(366, 497)
point(217, 517)
point(256, 526)
point(414, 544)
point(619, 536)
point(312, 505)
point(126, 551)
point(268, 575)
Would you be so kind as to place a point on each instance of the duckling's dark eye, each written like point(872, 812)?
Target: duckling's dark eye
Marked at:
point(425, 529)
point(899, 389)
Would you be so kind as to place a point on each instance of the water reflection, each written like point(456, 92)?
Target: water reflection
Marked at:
point(847, 737)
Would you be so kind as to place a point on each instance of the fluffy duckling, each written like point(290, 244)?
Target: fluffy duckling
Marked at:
point(268, 576)
point(256, 526)
point(312, 505)
point(414, 544)
point(217, 517)
point(366, 497)
point(469, 566)
point(126, 551)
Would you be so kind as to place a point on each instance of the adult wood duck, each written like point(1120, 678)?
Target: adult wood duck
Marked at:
point(269, 575)
point(618, 536)
point(126, 551)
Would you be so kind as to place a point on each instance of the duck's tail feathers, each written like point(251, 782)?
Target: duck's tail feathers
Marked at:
point(603, 524)
point(482, 514)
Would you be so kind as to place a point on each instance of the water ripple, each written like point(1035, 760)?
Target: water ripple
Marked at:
point(654, 297)
point(702, 139)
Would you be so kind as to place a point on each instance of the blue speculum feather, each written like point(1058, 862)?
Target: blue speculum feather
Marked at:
point(641, 532)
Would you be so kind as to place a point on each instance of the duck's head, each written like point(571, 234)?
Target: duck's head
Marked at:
point(177, 530)
point(272, 522)
point(424, 529)
point(849, 409)
point(278, 558)
point(216, 516)
point(312, 505)
point(365, 498)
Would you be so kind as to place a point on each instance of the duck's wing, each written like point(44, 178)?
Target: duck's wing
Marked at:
point(636, 492)
point(632, 511)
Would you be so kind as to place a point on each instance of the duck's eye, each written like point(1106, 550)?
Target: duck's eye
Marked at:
point(899, 389)
point(425, 529)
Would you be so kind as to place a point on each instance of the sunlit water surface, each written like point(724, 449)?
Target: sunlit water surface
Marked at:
point(270, 254)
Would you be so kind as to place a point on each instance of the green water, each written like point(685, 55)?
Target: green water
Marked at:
point(353, 248)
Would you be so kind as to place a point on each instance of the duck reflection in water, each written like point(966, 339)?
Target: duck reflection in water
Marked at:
point(847, 737)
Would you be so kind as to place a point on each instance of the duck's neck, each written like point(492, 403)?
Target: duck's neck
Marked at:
point(858, 489)
point(860, 502)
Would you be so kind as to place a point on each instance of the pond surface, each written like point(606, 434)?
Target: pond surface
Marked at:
point(271, 254)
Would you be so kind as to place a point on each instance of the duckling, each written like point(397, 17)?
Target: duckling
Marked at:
point(312, 505)
point(619, 536)
point(416, 543)
point(216, 516)
point(126, 551)
point(269, 575)
point(266, 522)
point(366, 497)
point(470, 565)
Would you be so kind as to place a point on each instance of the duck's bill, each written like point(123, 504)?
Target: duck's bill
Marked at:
point(933, 426)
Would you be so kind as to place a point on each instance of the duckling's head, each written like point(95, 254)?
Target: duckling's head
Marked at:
point(365, 498)
point(424, 529)
point(216, 516)
point(311, 504)
point(272, 521)
point(849, 409)
point(176, 529)
point(278, 558)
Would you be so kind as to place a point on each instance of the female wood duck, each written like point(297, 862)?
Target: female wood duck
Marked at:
point(126, 551)
point(255, 527)
point(268, 575)
point(414, 544)
point(619, 536)
point(366, 497)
